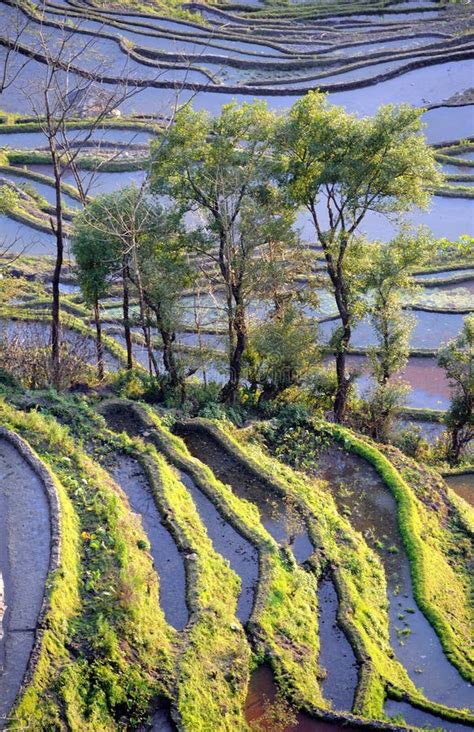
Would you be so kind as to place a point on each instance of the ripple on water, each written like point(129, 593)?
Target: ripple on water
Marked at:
point(360, 491)
point(24, 523)
point(168, 561)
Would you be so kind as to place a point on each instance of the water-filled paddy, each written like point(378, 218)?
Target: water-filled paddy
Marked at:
point(463, 485)
point(241, 555)
point(24, 523)
point(19, 238)
point(429, 387)
point(431, 330)
point(167, 560)
point(336, 656)
point(362, 495)
point(279, 517)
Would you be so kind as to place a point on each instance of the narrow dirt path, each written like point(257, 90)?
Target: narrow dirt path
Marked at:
point(25, 543)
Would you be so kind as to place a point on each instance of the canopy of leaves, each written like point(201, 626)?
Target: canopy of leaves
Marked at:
point(379, 163)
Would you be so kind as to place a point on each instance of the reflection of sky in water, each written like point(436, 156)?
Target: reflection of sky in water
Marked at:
point(430, 331)
point(428, 384)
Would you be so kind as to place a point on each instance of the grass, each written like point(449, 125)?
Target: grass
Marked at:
point(432, 574)
point(213, 663)
point(109, 650)
point(285, 606)
point(95, 163)
point(14, 126)
point(358, 575)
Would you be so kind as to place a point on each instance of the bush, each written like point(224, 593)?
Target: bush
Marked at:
point(411, 442)
point(293, 438)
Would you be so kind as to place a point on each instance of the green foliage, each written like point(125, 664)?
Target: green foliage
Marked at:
point(350, 166)
point(388, 274)
point(282, 352)
point(379, 162)
point(8, 199)
point(222, 168)
point(457, 360)
point(291, 438)
point(379, 408)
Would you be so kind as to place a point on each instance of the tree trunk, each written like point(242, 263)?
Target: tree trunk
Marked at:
point(98, 340)
point(342, 390)
point(229, 392)
point(146, 331)
point(455, 446)
point(56, 306)
point(126, 316)
point(169, 361)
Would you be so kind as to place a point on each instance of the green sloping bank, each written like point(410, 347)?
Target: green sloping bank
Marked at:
point(213, 663)
point(283, 624)
point(107, 649)
point(356, 571)
point(432, 575)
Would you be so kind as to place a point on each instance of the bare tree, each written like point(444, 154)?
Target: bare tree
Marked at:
point(12, 65)
point(59, 98)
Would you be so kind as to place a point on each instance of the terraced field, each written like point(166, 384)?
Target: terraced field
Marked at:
point(163, 572)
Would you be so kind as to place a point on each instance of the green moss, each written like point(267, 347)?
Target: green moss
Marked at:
point(283, 624)
point(357, 572)
point(123, 648)
point(212, 670)
point(432, 575)
point(83, 162)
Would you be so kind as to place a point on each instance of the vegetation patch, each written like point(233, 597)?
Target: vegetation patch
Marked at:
point(109, 650)
point(283, 624)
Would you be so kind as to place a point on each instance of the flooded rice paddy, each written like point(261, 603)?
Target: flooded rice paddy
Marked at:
point(168, 561)
point(361, 494)
point(24, 524)
point(280, 518)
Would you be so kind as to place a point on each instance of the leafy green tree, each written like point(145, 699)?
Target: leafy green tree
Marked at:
point(282, 351)
point(164, 271)
point(457, 360)
point(115, 223)
point(388, 279)
point(221, 170)
point(127, 234)
point(339, 167)
point(96, 265)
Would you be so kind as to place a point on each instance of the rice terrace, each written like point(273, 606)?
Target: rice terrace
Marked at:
point(236, 365)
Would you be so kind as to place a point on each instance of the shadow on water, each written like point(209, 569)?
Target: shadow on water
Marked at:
point(241, 555)
point(263, 708)
point(168, 561)
point(361, 494)
point(418, 718)
point(280, 519)
point(24, 523)
point(463, 485)
point(336, 656)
